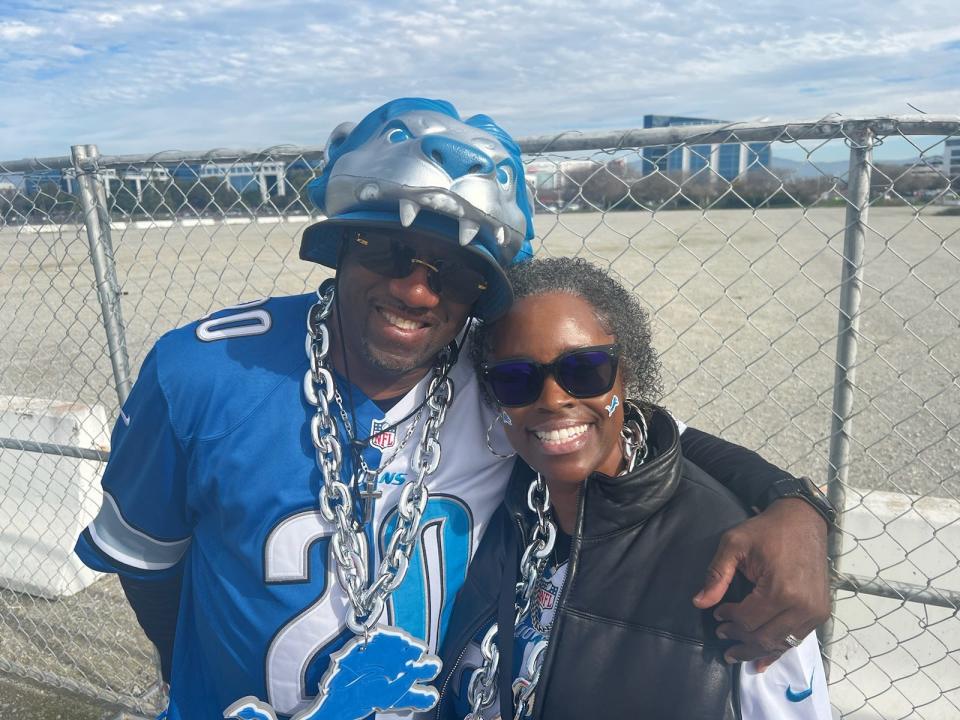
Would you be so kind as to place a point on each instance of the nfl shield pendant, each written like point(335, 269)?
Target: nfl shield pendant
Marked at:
point(383, 671)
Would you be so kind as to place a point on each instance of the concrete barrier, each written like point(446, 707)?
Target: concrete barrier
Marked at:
point(46, 500)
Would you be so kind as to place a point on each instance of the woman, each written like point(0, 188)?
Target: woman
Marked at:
point(589, 565)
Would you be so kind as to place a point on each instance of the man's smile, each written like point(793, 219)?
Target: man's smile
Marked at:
point(398, 320)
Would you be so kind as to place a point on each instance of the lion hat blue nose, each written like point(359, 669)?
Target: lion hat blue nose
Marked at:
point(413, 163)
point(455, 157)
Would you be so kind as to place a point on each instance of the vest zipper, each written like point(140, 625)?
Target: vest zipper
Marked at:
point(572, 565)
point(470, 635)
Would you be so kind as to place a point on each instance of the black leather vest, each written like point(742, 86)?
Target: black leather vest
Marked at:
point(627, 641)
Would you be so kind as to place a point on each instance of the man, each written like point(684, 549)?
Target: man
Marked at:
point(291, 531)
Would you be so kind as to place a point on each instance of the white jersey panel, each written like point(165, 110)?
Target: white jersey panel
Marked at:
point(464, 491)
point(793, 688)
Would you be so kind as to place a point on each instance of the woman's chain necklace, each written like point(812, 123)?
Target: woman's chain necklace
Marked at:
point(482, 688)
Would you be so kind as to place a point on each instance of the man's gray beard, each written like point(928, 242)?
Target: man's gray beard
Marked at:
point(391, 367)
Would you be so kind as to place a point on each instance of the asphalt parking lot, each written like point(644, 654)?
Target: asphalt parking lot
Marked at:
point(745, 314)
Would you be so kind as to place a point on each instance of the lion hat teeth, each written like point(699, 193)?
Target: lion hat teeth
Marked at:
point(413, 163)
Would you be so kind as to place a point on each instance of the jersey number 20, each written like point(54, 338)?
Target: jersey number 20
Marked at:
point(421, 605)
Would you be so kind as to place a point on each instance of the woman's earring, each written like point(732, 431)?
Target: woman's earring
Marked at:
point(634, 434)
point(505, 419)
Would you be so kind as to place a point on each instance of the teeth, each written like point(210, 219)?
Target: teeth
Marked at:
point(561, 434)
point(501, 235)
point(468, 231)
point(408, 212)
point(400, 322)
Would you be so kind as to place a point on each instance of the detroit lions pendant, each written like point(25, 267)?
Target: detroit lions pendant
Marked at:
point(383, 671)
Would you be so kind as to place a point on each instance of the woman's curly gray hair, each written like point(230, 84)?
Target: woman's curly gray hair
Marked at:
point(617, 309)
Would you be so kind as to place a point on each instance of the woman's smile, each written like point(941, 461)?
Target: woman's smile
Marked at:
point(562, 438)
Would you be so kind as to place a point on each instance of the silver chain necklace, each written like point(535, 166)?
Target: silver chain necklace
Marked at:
point(349, 543)
point(400, 446)
point(367, 477)
point(482, 688)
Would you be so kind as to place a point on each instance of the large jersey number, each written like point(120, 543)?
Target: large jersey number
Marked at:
point(421, 605)
point(287, 559)
point(438, 567)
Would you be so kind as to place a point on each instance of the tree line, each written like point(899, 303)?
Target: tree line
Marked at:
point(612, 187)
point(604, 187)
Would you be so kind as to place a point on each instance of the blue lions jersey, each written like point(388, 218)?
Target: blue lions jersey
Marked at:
point(213, 474)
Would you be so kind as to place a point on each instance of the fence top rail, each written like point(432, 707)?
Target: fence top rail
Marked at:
point(830, 127)
point(165, 157)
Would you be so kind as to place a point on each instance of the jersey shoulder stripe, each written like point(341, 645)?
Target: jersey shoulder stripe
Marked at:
point(215, 371)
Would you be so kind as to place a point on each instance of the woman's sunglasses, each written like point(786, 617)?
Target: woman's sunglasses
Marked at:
point(394, 258)
point(582, 373)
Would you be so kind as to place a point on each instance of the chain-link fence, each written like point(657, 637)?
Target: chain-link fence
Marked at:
point(808, 309)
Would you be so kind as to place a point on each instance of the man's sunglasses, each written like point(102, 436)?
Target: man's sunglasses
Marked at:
point(582, 373)
point(394, 258)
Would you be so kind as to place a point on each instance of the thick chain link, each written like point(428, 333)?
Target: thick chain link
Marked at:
point(348, 541)
point(482, 688)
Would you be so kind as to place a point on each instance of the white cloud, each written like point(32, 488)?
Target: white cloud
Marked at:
point(108, 19)
point(17, 30)
point(243, 73)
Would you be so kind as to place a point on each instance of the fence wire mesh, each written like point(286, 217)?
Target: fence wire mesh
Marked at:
point(739, 257)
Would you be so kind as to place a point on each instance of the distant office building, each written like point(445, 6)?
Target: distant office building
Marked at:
point(45, 180)
point(268, 177)
point(134, 179)
point(243, 176)
point(727, 160)
point(951, 158)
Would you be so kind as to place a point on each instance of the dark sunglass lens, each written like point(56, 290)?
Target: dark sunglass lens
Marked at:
point(515, 383)
point(374, 252)
point(394, 258)
point(586, 374)
point(457, 282)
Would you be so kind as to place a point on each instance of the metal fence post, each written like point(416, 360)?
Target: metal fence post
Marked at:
point(848, 322)
point(96, 218)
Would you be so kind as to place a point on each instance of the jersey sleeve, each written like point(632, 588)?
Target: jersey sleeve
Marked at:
point(793, 688)
point(743, 472)
point(143, 528)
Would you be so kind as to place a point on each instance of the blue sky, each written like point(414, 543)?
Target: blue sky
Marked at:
point(141, 77)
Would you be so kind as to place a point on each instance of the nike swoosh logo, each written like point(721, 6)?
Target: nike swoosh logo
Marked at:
point(796, 697)
point(125, 418)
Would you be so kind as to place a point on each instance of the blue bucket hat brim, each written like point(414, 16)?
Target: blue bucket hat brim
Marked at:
point(321, 241)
